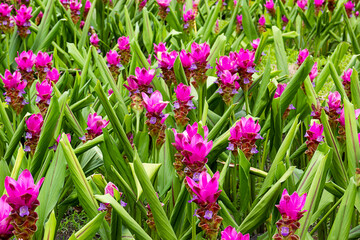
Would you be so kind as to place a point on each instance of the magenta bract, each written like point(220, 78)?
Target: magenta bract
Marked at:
point(230, 233)
point(290, 206)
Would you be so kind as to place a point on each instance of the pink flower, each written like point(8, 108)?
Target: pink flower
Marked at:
point(110, 91)
point(163, 3)
point(155, 103)
point(239, 19)
point(5, 227)
point(5, 10)
point(23, 16)
point(144, 76)
point(87, 6)
point(230, 233)
point(303, 54)
point(75, 6)
point(123, 43)
point(189, 15)
point(200, 52)
point(302, 4)
point(95, 124)
point(225, 63)
point(314, 72)
point(349, 6)
point(319, 3)
point(357, 13)
point(13, 81)
point(284, 19)
point(207, 190)
point(53, 75)
point(94, 40)
point(44, 91)
point(269, 5)
point(161, 47)
point(183, 93)
point(245, 60)
point(26, 60)
point(34, 123)
point(245, 128)
point(280, 89)
point(43, 60)
point(167, 60)
point(334, 100)
point(262, 20)
point(228, 79)
point(342, 116)
point(315, 132)
point(109, 189)
point(255, 43)
point(187, 136)
point(23, 193)
point(291, 206)
point(68, 135)
point(113, 58)
point(347, 76)
point(186, 59)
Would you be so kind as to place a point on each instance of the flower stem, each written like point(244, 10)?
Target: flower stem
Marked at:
point(7, 50)
point(247, 101)
point(201, 101)
point(137, 121)
point(193, 222)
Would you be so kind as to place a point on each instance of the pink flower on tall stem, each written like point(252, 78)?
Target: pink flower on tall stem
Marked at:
point(124, 50)
point(44, 91)
point(346, 77)
point(239, 26)
point(255, 43)
point(114, 63)
point(94, 40)
point(206, 192)
point(142, 5)
point(314, 137)
point(243, 136)
point(14, 86)
point(228, 86)
point(75, 7)
point(5, 227)
point(334, 107)
point(22, 197)
point(87, 8)
point(199, 54)
point(53, 75)
point(341, 120)
point(230, 233)
point(269, 5)
point(245, 66)
point(155, 118)
point(313, 73)
point(183, 104)
point(6, 21)
point(160, 48)
point(166, 62)
point(95, 125)
point(302, 4)
point(26, 61)
point(189, 20)
point(22, 20)
point(303, 54)
point(43, 64)
point(318, 5)
point(349, 7)
point(33, 129)
point(261, 25)
point(279, 90)
point(291, 210)
point(187, 62)
point(163, 8)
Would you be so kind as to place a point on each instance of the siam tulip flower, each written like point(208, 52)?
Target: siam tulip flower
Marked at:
point(142, 5)
point(163, 8)
point(43, 64)
point(53, 75)
point(341, 120)
point(244, 136)
point(314, 137)
point(22, 20)
point(313, 73)
point(346, 77)
point(279, 90)
point(160, 48)
point(187, 62)
point(82, 24)
point(290, 208)
point(155, 118)
point(261, 25)
point(166, 64)
point(6, 21)
point(239, 26)
point(269, 5)
point(14, 86)
point(230, 233)
point(39, 18)
point(349, 7)
point(189, 20)
point(285, 21)
point(228, 86)
point(26, 61)
point(199, 53)
point(95, 125)
point(114, 63)
point(44, 91)
point(255, 43)
point(357, 13)
point(87, 8)
point(318, 6)
point(94, 40)
point(110, 91)
point(245, 67)
point(109, 189)
point(183, 104)
point(124, 50)
point(225, 63)
point(75, 7)
point(33, 129)
point(303, 54)
point(334, 107)
point(22, 197)
point(5, 227)
point(206, 192)
point(302, 4)
point(217, 28)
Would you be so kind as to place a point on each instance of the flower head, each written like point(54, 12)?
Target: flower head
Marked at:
point(123, 43)
point(5, 227)
point(161, 47)
point(43, 60)
point(23, 193)
point(13, 81)
point(230, 233)
point(227, 78)
point(109, 189)
point(87, 6)
point(163, 3)
point(183, 93)
point(350, 6)
point(44, 91)
point(189, 15)
point(225, 63)
point(291, 205)
point(302, 4)
point(239, 19)
point(347, 75)
point(255, 43)
point(5, 10)
point(23, 16)
point(262, 20)
point(68, 135)
point(167, 60)
point(334, 100)
point(181, 139)
point(280, 89)
point(314, 72)
point(186, 59)
point(75, 6)
point(319, 3)
point(315, 132)
point(200, 52)
point(245, 128)
point(26, 60)
point(303, 54)
point(269, 5)
point(207, 190)
point(53, 75)
point(113, 58)
point(155, 103)
point(144, 76)
point(34, 123)
point(94, 40)
point(95, 124)
point(342, 116)
point(284, 19)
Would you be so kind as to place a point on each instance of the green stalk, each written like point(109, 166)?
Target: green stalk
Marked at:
point(137, 121)
point(7, 50)
point(263, 159)
point(246, 92)
point(201, 99)
point(193, 222)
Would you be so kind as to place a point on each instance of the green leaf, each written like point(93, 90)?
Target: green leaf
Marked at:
point(148, 35)
point(50, 227)
point(355, 89)
point(248, 23)
point(14, 142)
point(281, 58)
point(210, 22)
point(151, 170)
point(90, 229)
point(85, 30)
point(6, 121)
point(128, 25)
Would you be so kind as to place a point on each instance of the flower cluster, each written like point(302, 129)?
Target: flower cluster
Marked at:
point(33, 129)
point(5, 227)
point(303, 54)
point(95, 125)
point(183, 104)
point(14, 86)
point(114, 63)
point(290, 208)
point(155, 117)
point(22, 20)
point(22, 197)
point(163, 8)
point(278, 92)
point(87, 8)
point(192, 150)
point(26, 61)
point(199, 55)
point(43, 63)
point(350, 8)
point(318, 6)
point(151, 221)
point(243, 136)
point(124, 50)
point(228, 86)
point(206, 192)
point(334, 107)
point(189, 19)
point(44, 91)
point(269, 5)
point(6, 20)
point(261, 25)
point(94, 40)
point(346, 77)
point(75, 7)
point(39, 18)
point(285, 21)
point(142, 5)
point(110, 188)
point(239, 26)
point(187, 63)
point(341, 121)
point(140, 83)
point(230, 233)
point(314, 137)
point(166, 62)
point(302, 4)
